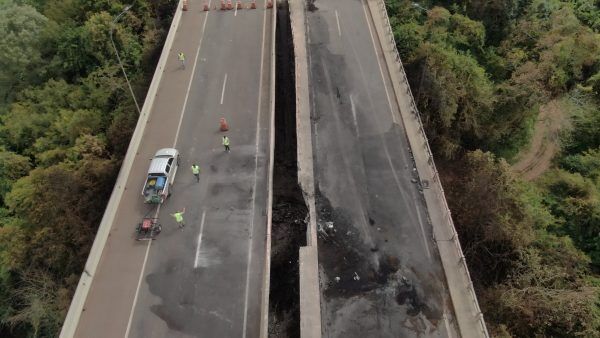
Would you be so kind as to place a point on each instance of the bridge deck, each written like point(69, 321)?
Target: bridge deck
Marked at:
point(205, 280)
point(381, 273)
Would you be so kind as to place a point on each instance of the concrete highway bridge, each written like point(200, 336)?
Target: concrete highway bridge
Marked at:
point(382, 257)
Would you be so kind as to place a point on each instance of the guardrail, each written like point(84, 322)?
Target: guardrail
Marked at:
point(434, 172)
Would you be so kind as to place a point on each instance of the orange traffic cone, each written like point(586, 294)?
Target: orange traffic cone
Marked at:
point(229, 4)
point(239, 5)
point(206, 7)
point(185, 5)
point(269, 4)
point(223, 124)
point(253, 4)
point(223, 5)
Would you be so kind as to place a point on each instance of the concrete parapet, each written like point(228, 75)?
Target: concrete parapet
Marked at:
point(310, 309)
point(466, 308)
point(264, 304)
point(310, 297)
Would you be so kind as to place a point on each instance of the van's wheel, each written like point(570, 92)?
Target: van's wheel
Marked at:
point(178, 160)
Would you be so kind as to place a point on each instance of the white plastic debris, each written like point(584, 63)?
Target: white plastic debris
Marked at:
point(329, 225)
point(337, 279)
point(356, 277)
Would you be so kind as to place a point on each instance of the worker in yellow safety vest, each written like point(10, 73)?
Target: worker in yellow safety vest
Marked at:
point(196, 171)
point(178, 215)
point(226, 143)
point(181, 58)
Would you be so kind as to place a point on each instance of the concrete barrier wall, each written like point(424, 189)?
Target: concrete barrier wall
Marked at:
point(87, 277)
point(310, 296)
point(264, 305)
point(466, 308)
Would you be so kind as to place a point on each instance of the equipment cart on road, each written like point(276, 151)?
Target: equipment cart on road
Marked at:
point(148, 229)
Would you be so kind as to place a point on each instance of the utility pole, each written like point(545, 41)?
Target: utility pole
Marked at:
point(112, 27)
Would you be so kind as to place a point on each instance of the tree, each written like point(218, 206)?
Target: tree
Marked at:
point(455, 30)
point(67, 127)
point(490, 218)
point(21, 29)
point(568, 51)
point(61, 141)
point(497, 16)
point(455, 97)
point(28, 119)
point(12, 167)
point(546, 295)
point(585, 134)
point(586, 163)
point(37, 302)
point(408, 37)
point(588, 12)
point(576, 201)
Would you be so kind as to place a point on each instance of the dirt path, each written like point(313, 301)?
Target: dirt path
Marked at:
point(544, 144)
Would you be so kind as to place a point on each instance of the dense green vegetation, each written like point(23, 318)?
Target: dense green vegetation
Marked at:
point(66, 117)
point(479, 72)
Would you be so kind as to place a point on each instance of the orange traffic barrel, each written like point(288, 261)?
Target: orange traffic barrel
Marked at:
point(223, 124)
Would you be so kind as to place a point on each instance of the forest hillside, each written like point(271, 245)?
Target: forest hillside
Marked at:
point(480, 71)
point(66, 117)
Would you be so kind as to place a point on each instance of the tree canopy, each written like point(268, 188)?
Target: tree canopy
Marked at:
point(479, 71)
point(66, 117)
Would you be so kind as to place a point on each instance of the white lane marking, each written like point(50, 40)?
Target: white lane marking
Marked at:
point(223, 90)
point(387, 94)
point(354, 116)
point(187, 93)
point(337, 18)
point(424, 237)
point(199, 239)
point(262, 55)
point(137, 290)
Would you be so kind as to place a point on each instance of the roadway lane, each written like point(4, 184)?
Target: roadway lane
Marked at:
point(206, 280)
point(176, 286)
point(381, 274)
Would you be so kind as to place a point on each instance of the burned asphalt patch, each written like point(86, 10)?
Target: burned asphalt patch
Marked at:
point(351, 269)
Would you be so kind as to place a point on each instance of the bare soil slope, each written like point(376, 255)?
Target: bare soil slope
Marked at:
point(545, 142)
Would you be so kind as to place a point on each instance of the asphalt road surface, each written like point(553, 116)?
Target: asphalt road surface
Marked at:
point(381, 274)
point(204, 280)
